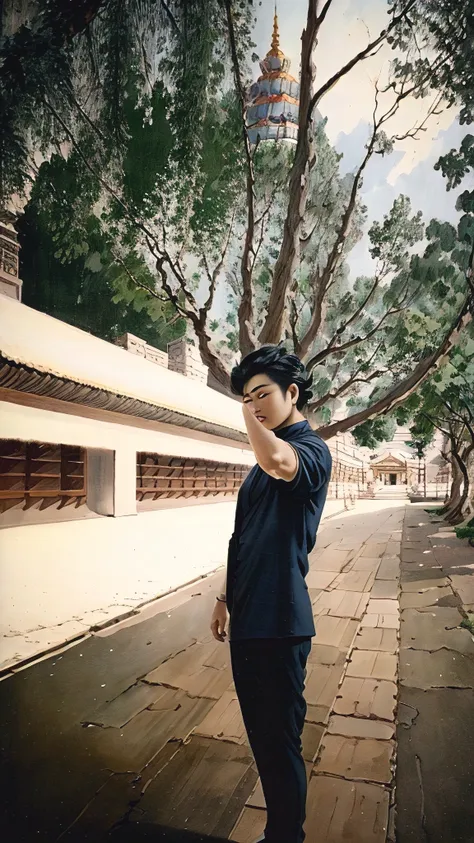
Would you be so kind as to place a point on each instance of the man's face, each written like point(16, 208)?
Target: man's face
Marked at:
point(265, 400)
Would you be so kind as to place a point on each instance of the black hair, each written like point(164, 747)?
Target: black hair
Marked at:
point(283, 368)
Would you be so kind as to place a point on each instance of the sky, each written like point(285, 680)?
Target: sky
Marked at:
point(349, 106)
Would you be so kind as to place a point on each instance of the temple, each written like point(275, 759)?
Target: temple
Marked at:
point(274, 98)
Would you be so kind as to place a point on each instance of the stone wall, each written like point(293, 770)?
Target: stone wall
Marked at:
point(182, 357)
point(138, 346)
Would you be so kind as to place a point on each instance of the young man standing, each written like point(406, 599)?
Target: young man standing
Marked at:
point(278, 512)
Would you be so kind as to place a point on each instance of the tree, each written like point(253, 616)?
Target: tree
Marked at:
point(445, 408)
point(445, 402)
point(427, 289)
point(297, 281)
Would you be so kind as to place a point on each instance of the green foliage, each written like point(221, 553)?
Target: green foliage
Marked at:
point(391, 240)
point(149, 144)
point(436, 42)
point(70, 72)
point(405, 411)
point(68, 265)
point(419, 443)
point(35, 67)
point(221, 172)
point(466, 532)
point(372, 432)
point(456, 164)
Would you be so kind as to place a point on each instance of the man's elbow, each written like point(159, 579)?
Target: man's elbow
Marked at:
point(271, 465)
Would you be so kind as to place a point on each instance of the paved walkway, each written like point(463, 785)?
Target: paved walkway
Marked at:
point(435, 765)
point(136, 734)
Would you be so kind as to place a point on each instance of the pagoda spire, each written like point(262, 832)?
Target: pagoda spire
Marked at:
point(275, 50)
point(274, 97)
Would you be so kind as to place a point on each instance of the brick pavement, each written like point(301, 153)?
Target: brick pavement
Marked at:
point(147, 740)
point(435, 731)
point(351, 685)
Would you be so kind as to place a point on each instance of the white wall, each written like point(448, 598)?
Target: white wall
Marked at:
point(60, 578)
point(57, 579)
point(31, 423)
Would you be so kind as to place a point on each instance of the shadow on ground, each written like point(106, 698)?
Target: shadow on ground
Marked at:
point(66, 780)
point(159, 834)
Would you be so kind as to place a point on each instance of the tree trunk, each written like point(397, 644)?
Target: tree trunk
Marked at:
point(468, 509)
point(302, 348)
point(298, 188)
point(210, 358)
point(455, 491)
point(455, 513)
point(16, 14)
point(245, 311)
point(452, 505)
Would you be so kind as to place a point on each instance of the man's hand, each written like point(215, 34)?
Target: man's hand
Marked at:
point(219, 620)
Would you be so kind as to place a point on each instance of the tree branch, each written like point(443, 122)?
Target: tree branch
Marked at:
point(345, 386)
point(337, 251)
point(324, 12)
point(461, 418)
point(298, 186)
point(363, 54)
point(318, 358)
point(171, 19)
point(395, 396)
point(432, 421)
point(334, 256)
point(354, 378)
point(245, 310)
point(135, 280)
point(217, 269)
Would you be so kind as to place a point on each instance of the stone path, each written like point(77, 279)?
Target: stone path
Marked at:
point(351, 690)
point(435, 768)
point(136, 734)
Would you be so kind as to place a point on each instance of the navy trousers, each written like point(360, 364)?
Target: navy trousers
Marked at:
point(269, 676)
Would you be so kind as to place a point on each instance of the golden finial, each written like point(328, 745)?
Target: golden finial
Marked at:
point(276, 36)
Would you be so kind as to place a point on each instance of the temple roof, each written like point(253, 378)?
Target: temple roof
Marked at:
point(41, 355)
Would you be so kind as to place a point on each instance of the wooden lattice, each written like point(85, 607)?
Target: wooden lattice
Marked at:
point(161, 476)
point(34, 471)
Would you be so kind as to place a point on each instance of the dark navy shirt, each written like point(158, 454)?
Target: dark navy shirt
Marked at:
point(275, 529)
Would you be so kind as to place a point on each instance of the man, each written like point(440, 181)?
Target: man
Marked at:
point(278, 511)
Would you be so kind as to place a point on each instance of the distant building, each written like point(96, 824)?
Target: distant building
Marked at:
point(395, 464)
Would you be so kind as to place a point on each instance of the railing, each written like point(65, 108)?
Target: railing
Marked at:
point(37, 473)
point(160, 476)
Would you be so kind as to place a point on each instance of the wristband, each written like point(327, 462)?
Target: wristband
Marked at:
point(221, 599)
